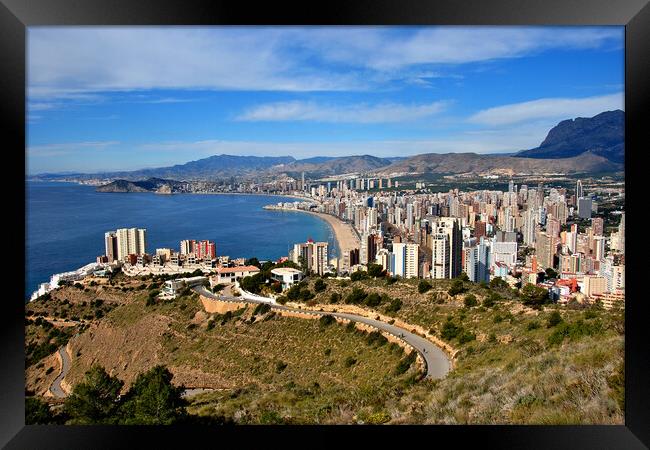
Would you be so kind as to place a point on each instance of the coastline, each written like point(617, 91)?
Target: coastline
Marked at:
point(344, 235)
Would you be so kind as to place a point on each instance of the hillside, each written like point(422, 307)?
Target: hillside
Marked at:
point(513, 364)
point(335, 166)
point(149, 185)
point(602, 135)
point(509, 165)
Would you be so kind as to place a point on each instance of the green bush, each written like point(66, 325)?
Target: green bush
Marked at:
point(423, 286)
point(394, 305)
point(574, 331)
point(376, 270)
point(450, 330)
point(466, 336)
point(533, 325)
point(319, 285)
point(554, 319)
point(359, 275)
point(356, 297)
point(470, 300)
point(280, 366)
point(349, 361)
point(326, 320)
point(335, 297)
point(373, 300)
point(405, 363)
point(376, 337)
point(456, 288)
point(261, 308)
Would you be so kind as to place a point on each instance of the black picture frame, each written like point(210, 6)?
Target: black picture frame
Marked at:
point(16, 15)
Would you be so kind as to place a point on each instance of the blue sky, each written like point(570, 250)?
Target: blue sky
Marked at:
point(122, 98)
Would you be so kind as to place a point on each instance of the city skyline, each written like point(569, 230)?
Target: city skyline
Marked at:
point(316, 91)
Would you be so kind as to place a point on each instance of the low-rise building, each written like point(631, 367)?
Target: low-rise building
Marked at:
point(173, 287)
point(287, 276)
point(228, 275)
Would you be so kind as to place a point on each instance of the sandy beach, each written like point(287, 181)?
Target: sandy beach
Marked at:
point(345, 236)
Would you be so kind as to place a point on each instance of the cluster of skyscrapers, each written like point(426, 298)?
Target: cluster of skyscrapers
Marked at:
point(481, 233)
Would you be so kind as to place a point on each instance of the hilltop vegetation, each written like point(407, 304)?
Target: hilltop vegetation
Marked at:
point(513, 363)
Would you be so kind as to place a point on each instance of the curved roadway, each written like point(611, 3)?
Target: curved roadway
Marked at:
point(56, 388)
point(437, 362)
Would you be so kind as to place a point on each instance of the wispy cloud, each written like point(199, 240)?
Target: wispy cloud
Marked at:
point(356, 113)
point(69, 62)
point(548, 108)
point(68, 148)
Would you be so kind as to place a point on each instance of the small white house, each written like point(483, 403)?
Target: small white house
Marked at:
point(172, 287)
point(228, 275)
point(287, 276)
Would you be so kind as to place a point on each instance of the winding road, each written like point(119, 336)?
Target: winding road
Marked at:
point(437, 361)
point(56, 388)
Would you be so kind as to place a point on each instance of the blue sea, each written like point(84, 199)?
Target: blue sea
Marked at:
point(66, 223)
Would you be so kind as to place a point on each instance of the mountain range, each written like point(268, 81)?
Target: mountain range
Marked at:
point(580, 145)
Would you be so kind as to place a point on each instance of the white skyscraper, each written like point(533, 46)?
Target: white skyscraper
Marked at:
point(406, 260)
point(131, 241)
point(447, 247)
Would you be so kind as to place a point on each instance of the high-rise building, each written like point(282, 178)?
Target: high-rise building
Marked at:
point(188, 247)
point(312, 256)
point(130, 241)
point(621, 234)
point(405, 260)
point(447, 247)
point(597, 224)
point(579, 192)
point(479, 229)
point(110, 242)
point(544, 248)
point(584, 207)
point(206, 250)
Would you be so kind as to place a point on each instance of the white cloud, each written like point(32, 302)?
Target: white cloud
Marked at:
point(75, 61)
point(548, 108)
point(386, 48)
point(357, 113)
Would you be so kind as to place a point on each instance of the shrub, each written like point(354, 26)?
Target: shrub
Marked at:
point(359, 275)
point(534, 296)
point(423, 286)
point(373, 300)
point(350, 326)
point(280, 366)
point(491, 299)
point(376, 337)
point(456, 288)
point(450, 330)
point(554, 319)
point(466, 336)
point(376, 270)
point(326, 320)
point(355, 297)
point(533, 325)
point(405, 363)
point(391, 280)
point(319, 285)
point(261, 308)
point(394, 305)
point(349, 361)
point(470, 300)
point(335, 297)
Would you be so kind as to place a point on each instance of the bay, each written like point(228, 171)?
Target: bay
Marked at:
point(66, 223)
